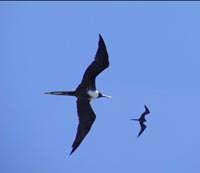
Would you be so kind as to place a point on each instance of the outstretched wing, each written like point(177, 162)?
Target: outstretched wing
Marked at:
point(97, 66)
point(86, 119)
point(146, 110)
point(142, 117)
point(142, 128)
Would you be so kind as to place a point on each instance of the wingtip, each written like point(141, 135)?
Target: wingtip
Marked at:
point(72, 151)
point(139, 134)
point(146, 108)
point(100, 37)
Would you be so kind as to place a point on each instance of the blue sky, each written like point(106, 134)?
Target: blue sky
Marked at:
point(154, 57)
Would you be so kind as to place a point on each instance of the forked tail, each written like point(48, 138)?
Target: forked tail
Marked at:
point(64, 93)
point(135, 119)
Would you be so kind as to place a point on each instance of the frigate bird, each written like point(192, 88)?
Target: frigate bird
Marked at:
point(142, 120)
point(86, 91)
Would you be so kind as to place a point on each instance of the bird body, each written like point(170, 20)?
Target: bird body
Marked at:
point(86, 91)
point(142, 120)
point(93, 94)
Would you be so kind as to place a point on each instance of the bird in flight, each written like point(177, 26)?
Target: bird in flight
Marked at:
point(142, 120)
point(86, 91)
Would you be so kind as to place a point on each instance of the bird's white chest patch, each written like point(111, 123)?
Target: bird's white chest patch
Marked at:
point(93, 94)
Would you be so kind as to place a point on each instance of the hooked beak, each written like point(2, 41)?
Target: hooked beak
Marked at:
point(106, 96)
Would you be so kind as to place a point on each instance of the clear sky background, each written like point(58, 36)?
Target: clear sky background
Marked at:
point(154, 53)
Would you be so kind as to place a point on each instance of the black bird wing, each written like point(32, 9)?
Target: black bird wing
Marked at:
point(97, 66)
point(86, 118)
point(146, 110)
point(143, 126)
point(142, 117)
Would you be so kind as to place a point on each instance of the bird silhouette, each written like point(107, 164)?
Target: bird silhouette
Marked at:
point(86, 91)
point(142, 120)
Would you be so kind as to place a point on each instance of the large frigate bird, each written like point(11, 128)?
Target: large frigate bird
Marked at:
point(86, 91)
point(142, 120)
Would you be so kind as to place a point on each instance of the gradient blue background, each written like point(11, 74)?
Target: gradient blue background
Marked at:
point(154, 51)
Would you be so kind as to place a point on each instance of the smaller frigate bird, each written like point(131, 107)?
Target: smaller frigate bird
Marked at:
point(142, 120)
